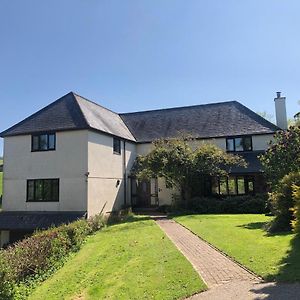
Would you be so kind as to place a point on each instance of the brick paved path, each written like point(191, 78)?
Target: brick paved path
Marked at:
point(214, 267)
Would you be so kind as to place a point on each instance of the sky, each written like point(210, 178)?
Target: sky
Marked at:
point(148, 54)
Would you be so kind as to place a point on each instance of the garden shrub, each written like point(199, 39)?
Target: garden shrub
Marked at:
point(296, 209)
point(283, 203)
point(33, 259)
point(233, 204)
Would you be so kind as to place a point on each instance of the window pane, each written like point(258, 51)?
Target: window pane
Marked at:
point(223, 186)
point(117, 145)
point(38, 190)
point(51, 140)
point(241, 185)
point(30, 190)
point(230, 145)
point(215, 186)
point(35, 143)
point(231, 186)
point(47, 190)
point(55, 190)
point(247, 143)
point(239, 144)
point(250, 185)
point(43, 142)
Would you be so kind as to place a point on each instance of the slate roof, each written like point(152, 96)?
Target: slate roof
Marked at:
point(14, 220)
point(73, 112)
point(254, 164)
point(201, 121)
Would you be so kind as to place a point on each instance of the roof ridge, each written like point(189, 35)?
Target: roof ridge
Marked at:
point(180, 107)
point(102, 107)
point(257, 115)
point(34, 114)
point(79, 107)
point(86, 99)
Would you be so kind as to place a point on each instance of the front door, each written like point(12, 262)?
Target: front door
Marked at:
point(144, 193)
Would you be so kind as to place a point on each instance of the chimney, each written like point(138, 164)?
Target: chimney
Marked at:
point(280, 109)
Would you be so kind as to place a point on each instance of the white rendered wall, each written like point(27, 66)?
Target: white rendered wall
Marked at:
point(105, 170)
point(68, 163)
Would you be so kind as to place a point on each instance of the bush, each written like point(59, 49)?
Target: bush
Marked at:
point(296, 209)
point(34, 258)
point(233, 204)
point(282, 202)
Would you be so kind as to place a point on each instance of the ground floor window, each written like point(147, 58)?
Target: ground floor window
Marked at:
point(43, 190)
point(233, 185)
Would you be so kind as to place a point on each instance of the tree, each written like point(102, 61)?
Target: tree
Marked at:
point(178, 162)
point(282, 156)
point(266, 116)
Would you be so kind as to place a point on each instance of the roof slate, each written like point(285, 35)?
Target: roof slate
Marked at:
point(63, 114)
point(253, 163)
point(73, 112)
point(103, 119)
point(201, 121)
point(14, 220)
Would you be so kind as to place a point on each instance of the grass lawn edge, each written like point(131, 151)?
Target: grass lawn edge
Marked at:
point(222, 252)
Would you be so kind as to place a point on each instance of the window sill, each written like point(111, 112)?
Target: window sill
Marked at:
point(41, 201)
point(43, 150)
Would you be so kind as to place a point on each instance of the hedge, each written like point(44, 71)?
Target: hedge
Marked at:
point(32, 260)
point(229, 205)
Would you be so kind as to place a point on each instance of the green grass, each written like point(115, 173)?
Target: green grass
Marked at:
point(274, 257)
point(134, 260)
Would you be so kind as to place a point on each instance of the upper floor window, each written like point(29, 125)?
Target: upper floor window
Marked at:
point(117, 146)
point(43, 142)
point(239, 144)
point(44, 190)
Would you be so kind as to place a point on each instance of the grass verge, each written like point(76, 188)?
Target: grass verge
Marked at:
point(274, 257)
point(133, 260)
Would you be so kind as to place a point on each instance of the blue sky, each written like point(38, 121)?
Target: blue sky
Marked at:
point(139, 55)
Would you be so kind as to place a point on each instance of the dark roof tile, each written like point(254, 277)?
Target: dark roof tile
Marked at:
point(10, 220)
point(73, 112)
point(201, 121)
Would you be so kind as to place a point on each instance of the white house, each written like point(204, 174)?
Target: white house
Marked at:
point(73, 158)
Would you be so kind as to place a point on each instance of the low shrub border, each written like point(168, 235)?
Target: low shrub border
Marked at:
point(245, 204)
point(26, 263)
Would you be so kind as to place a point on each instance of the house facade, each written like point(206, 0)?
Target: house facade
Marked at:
point(74, 158)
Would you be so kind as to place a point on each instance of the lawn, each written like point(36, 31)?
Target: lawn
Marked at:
point(134, 260)
point(274, 257)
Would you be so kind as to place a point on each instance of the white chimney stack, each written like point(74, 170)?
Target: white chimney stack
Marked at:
point(280, 109)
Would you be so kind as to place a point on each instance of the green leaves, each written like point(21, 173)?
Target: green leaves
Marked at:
point(179, 160)
point(282, 156)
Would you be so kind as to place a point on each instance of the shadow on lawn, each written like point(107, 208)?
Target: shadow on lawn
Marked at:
point(262, 226)
point(116, 220)
point(287, 279)
point(288, 272)
point(254, 225)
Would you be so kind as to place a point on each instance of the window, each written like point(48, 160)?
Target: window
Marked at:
point(43, 142)
point(239, 144)
point(117, 146)
point(43, 190)
point(240, 180)
point(233, 185)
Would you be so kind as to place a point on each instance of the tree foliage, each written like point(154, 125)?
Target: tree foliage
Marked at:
point(178, 162)
point(282, 156)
